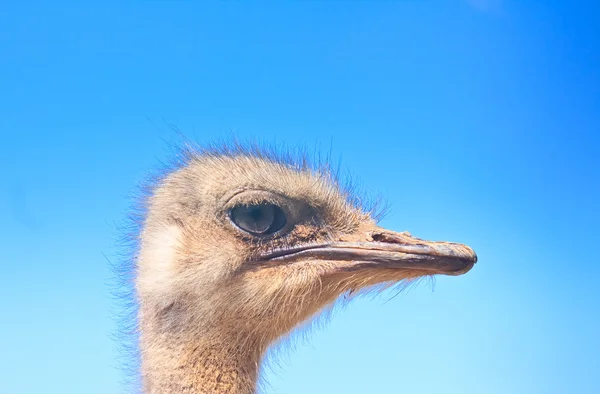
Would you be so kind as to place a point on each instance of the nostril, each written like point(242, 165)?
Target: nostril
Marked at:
point(401, 238)
point(391, 237)
point(379, 237)
point(376, 236)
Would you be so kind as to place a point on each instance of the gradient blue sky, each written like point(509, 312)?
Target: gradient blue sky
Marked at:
point(478, 121)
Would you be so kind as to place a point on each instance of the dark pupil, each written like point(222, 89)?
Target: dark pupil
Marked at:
point(258, 219)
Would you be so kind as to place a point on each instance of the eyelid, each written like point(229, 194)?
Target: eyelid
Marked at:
point(252, 196)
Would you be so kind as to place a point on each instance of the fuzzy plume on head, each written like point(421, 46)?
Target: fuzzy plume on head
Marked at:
point(314, 169)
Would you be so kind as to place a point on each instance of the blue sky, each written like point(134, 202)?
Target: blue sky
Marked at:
point(477, 120)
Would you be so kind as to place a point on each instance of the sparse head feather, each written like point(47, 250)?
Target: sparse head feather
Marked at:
point(195, 172)
point(188, 239)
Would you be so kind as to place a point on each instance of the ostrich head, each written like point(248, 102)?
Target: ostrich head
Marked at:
point(238, 249)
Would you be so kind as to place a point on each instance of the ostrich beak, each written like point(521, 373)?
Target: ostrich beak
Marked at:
point(380, 248)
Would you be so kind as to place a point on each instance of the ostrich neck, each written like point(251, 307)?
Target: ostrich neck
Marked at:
point(178, 363)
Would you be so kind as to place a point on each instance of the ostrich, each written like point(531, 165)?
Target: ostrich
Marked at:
point(238, 247)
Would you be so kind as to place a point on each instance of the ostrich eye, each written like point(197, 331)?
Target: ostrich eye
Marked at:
point(259, 219)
